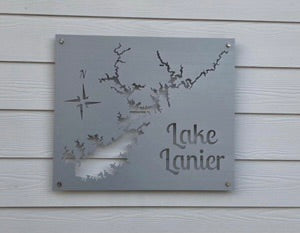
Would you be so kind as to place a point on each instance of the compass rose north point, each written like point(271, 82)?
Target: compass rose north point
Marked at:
point(82, 101)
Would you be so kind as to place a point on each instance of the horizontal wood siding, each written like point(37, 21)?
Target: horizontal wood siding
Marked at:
point(27, 183)
point(25, 38)
point(254, 10)
point(149, 220)
point(30, 86)
point(258, 137)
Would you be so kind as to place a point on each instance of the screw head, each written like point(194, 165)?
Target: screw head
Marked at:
point(227, 184)
point(58, 184)
point(228, 45)
point(61, 41)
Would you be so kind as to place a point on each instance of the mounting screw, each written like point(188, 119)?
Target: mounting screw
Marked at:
point(58, 184)
point(227, 184)
point(61, 41)
point(228, 45)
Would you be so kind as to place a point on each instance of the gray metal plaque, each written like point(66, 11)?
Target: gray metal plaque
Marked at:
point(143, 113)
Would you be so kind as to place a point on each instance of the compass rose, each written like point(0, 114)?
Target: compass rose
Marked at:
point(82, 101)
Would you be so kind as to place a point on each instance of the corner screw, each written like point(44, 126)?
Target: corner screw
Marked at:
point(227, 184)
point(58, 184)
point(228, 45)
point(61, 41)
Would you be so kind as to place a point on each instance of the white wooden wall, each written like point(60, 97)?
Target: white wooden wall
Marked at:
point(267, 194)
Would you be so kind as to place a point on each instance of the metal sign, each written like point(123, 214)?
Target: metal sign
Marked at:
point(143, 113)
